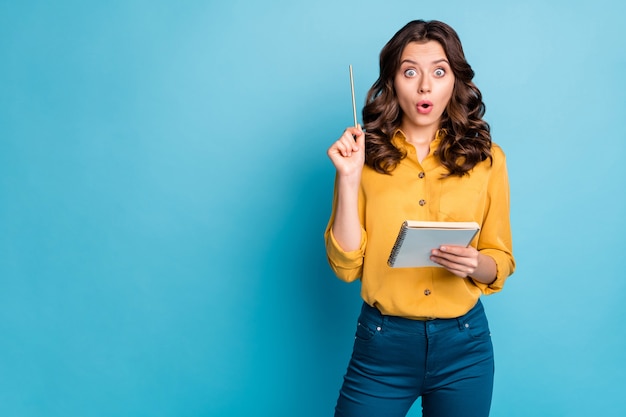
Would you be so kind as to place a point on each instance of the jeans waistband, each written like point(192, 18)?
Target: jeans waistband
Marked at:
point(376, 316)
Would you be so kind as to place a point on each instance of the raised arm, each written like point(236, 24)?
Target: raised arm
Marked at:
point(348, 156)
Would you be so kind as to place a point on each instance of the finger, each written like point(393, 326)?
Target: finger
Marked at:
point(352, 140)
point(349, 143)
point(350, 135)
point(360, 138)
point(338, 148)
point(454, 261)
point(456, 269)
point(455, 250)
point(344, 150)
point(353, 131)
point(445, 254)
point(355, 138)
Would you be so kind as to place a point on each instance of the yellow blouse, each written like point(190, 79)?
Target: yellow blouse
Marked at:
point(417, 191)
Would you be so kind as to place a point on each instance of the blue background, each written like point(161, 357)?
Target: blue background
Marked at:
point(164, 190)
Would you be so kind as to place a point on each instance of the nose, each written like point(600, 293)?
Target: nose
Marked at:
point(424, 85)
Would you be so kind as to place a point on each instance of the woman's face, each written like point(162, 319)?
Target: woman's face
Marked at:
point(424, 85)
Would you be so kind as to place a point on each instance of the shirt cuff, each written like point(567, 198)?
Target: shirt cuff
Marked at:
point(342, 259)
point(504, 269)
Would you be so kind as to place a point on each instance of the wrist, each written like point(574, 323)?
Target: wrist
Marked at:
point(486, 271)
point(349, 181)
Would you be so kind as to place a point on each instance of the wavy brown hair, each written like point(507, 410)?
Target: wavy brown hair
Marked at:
point(467, 138)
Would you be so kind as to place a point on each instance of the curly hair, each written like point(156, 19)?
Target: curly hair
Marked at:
point(467, 138)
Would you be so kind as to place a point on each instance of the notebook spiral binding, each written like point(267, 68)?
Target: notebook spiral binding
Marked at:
point(394, 251)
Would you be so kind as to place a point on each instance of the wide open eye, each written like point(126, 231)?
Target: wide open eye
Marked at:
point(410, 73)
point(439, 72)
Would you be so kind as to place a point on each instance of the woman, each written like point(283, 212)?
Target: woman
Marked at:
point(426, 154)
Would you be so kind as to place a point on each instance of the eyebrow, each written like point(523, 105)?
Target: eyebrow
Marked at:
point(408, 61)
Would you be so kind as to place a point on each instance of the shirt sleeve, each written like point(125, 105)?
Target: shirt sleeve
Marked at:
point(348, 266)
point(495, 238)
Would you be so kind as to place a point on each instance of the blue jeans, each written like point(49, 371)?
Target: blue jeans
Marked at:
point(447, 362)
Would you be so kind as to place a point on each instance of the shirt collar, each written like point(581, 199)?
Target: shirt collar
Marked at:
point(399, 138)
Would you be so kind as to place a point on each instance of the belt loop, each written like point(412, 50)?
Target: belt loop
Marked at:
point(461, 323)
point(380, 318)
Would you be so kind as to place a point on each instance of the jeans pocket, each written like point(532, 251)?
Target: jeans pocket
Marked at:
point(365, 331)
point(477, 328)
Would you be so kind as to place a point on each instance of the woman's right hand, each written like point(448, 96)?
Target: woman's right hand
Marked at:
point(348, 152)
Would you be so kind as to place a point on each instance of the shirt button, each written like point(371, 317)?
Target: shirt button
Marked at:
point(422, 202)
point(426, 292)
point(421, 175)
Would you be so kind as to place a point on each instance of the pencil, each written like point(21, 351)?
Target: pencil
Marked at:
point(356, 123)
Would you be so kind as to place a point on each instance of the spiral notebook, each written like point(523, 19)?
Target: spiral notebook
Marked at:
point(417, 239)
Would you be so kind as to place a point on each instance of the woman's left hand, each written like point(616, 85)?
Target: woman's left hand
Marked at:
point(466, 262)
point(459, 260)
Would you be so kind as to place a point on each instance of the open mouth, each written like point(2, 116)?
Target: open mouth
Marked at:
point(424, 106)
